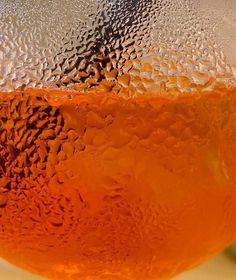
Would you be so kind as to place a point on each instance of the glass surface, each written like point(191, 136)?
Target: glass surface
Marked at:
point(123, 166)
point(108, 44)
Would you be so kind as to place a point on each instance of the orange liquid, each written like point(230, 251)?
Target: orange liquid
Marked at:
point(95, 186)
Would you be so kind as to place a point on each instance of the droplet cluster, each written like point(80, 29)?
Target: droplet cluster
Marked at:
point(132, 47)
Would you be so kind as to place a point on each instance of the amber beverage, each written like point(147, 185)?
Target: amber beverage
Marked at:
point(101, 186)
point(117, 136)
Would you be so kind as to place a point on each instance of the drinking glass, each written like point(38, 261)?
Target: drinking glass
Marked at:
point(117, 136)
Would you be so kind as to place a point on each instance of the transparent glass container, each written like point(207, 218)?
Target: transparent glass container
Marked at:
point(117, 136)
point(140, 45)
